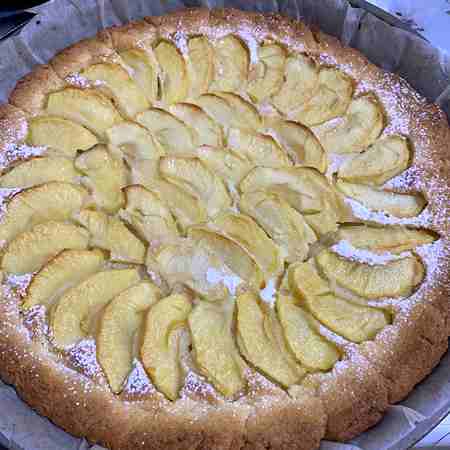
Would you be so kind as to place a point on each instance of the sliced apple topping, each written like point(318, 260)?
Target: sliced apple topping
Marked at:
point(259, 148)
point(397, 204)
point(301, 144)
point(113, 80)
point(268, 75)
point(144, 69)
point(68, 268)
point(394, 239)
point(55, 201)
point(172, 133)
point(64, 136)
point(247, 233)
point(148, 216)
point(393, 279)
point(244, 111)
point(382, 161)
point(281, 222)
point(207, 131)
point(231, 63)
point(87, 107)
point(109, 233)
point(174, 79)
point(360, 127)
point(215, 351)
point(192, 175)
point(331, 100)
point(219, 109)
point(118, 326)
point(160, 349)
point(310, 348)
point(200, 65)
point(38, 170)
point(355, 322)
point(105, 175)
point(301, 80)
point(74, 316)
point(30, 250)
point(261, 341)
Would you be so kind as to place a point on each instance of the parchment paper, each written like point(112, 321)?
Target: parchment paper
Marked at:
point(63, 22)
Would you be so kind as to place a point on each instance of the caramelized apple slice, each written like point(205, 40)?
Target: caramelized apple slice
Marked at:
point(331, 100)
point(214, 350)
point(105, 175)
point(261, 341)
point(173, 134)
point(397, 204)
point(207, 131)
point(301, 144)
point(200, 65)
point(361, 126)
point(174, 79)
point(113, 80)
point(301, 331)
point(355, 322)
point(394, 239)
point(160, 348)
point(30, 250)
point(109, 233)
point(88, 107)
point(268, 75)
point(394, 279)
point(246, 113)
point(259, 148)
point(59, 134)
point(119, 323)
point(72, 316)
point(68, 268)
point(50, 201)
point(384, 160)
point(301, 80)
point(193, 176)
point(281, 222)
point(39, 170)
point(246, 232)
point(231, 63)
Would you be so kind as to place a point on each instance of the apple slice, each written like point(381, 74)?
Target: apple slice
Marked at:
point(261, 341)
point(245, 112)
point(397, 204)
point(310, 348)
point(394, 239)
point(88, 107)
point(268, 75)
point(118, 326)
point(331, 100)
point(73, 316)
point(55, 201)
point(396, 278)
point(281, 222)
point(64, 136)
point(259, 148)
point(38, 170)
point(30, 250)
point(173, 75)
point(192, 175)
point(68, 268)
point(200, 65)
point(360, 127)
point(382, 161)
point(109, 233)
point(173, 134)
point(160, 348)
point(214, 350)
point(105, 176)
point(231, 63)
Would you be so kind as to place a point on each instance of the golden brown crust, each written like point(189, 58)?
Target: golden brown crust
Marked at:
point(13, 126)
point(134, 34)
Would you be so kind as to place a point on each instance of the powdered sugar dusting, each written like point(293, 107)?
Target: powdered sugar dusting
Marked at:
point(14, 153)
point(83, 356)
point(138, 382)
point(76, 79)
point(268, 293)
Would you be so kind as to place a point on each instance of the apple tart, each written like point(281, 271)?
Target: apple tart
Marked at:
point(220, 230)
